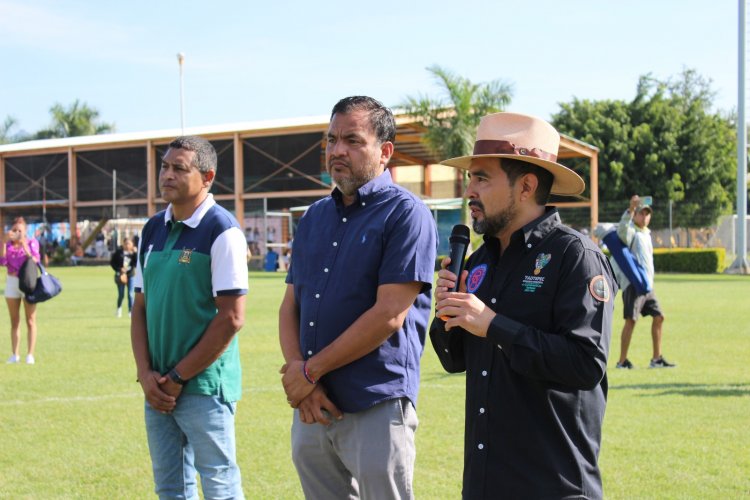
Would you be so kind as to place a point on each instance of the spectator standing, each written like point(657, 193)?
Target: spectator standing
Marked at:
point(15, 249)
point(634, 232)
point(123, 262)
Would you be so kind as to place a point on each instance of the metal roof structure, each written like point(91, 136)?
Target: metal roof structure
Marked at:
point(273, 159)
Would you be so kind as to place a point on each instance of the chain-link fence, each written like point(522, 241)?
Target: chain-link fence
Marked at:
point(699, 233)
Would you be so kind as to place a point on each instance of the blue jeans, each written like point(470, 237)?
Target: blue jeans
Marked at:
point(197, 436)
point(121, 292)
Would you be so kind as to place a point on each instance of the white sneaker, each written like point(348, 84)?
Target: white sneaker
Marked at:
point(119, 312)
point(14, 359)
point(30, 359)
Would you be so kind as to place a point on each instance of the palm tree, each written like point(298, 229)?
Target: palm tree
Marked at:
point(76, 120)
point(6, 137)
point(451, 121)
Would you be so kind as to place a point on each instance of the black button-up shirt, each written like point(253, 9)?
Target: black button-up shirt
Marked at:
point(536, 386)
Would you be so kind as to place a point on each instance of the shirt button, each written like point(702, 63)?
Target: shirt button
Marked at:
point(335, 244)
point(325, 270)
point(317, 295)
point(447, 350)
point(363, 203)
point(499, 346)
point(312, 323)
point(528, 245)
point(481, 410)
point(484, 373)
point(494, 300)
point(343, 220)
point(309, 353)
point(480, 446)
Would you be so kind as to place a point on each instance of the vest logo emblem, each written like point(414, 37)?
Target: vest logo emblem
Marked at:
point(541, 260)
point(476, 276)
point(185, 256)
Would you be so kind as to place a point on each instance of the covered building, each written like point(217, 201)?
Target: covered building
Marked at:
point(264, 167)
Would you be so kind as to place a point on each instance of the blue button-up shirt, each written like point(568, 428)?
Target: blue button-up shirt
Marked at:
point(341, 255)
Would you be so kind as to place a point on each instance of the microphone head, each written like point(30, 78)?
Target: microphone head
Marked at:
point(460, 234)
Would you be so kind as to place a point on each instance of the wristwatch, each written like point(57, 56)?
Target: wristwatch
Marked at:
point(175, 377)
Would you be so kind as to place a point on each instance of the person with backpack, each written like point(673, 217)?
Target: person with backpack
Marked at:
point(15, 248)
point(634, 233)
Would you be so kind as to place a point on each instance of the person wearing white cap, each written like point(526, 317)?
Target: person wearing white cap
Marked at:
point(531, 322)
point(633, 231)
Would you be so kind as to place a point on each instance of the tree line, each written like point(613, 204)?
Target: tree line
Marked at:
point(75, 120)
point(668, 141)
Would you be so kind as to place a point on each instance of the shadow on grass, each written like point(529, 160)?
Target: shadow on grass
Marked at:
point(702, 390)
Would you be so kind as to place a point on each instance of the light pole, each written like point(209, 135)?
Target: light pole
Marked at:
point(181, 60)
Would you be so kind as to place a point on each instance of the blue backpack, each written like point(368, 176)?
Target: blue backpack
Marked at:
point(627, 263)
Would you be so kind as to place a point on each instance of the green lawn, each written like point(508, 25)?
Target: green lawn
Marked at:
point(71, 426)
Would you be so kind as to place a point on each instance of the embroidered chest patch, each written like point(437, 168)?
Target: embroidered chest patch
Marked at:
point(541, 260)
point(599, 288)
point(476, 276)
point(185, 256)
point(531, 284)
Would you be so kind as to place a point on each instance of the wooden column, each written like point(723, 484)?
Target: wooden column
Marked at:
point(150, 178)
point(239, 181)
point(594, 184)
point(72, 197)
point(427, 179)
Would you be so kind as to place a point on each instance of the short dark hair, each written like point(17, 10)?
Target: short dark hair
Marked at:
point(205, 154)
point(514, 169)
point(381, 118)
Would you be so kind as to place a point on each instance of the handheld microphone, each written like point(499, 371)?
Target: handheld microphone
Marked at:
point(459, 241)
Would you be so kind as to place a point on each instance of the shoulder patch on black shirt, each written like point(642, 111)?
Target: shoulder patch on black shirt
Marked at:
point(599, 288)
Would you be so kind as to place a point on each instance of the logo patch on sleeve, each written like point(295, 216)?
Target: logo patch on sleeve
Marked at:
point(476, 276)
point(599, 288)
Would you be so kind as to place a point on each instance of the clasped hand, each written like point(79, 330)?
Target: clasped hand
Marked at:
point(160, 391)
point(309, 399)
point(460, 308)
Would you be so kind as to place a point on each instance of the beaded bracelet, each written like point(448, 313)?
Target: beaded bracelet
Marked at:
point(307, 375)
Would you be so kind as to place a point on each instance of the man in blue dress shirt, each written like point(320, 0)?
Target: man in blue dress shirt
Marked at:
point(353, 321)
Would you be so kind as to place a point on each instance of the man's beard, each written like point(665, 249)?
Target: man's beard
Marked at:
point(349, 185)
point(493, 224)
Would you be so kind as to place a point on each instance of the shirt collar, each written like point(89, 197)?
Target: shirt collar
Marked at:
point(536, 230)
point(530, 234)
point(369, 190)
point(197, 216)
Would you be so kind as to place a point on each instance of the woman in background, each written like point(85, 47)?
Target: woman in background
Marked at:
point(123, 262)
point(14, 251)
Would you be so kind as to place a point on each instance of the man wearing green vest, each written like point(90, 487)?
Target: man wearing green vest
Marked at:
point(190, 287)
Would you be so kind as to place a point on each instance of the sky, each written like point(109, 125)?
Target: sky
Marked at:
point(253, 61)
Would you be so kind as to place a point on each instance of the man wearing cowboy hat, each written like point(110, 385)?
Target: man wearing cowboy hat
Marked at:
point(530, 324)
point(633, 231)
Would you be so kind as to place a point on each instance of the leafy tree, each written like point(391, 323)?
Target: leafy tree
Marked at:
point(666, 142)
point(6, 137)
point(76, 120)
point(451, 120)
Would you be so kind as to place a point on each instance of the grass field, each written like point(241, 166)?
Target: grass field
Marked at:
point(71, 426)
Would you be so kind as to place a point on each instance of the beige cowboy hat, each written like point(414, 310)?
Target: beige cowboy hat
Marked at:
point(525, 138)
